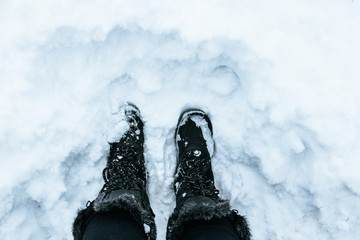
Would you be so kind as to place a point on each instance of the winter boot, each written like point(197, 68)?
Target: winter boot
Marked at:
point(125, 180)
point(197, 199)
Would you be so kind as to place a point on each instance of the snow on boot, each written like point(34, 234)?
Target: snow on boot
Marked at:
point(125, 180)
point(197, 199)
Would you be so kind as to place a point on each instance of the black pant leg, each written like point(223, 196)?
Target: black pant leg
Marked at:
point(113, 225)
point(217, 229)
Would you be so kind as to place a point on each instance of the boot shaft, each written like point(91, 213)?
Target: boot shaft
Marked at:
point(195, 144)
point(197, 198)
point(125, 179)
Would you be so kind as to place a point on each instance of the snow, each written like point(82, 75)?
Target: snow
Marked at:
point(280, 80)
point(147, 228)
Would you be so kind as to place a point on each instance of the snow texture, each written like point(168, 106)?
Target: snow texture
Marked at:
point(279, 78)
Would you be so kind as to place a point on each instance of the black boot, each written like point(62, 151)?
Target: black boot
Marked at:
point(197, 199)
point(125, 180)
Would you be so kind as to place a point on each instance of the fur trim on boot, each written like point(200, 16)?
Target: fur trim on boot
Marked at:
point(126, 200)
point(204, 208)
point(129, 200)
point(79, 225)
point(240, 224)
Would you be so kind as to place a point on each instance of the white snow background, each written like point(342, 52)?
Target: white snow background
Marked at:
point(280, 80)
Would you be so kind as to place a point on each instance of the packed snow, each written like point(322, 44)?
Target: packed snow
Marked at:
point(279, 79)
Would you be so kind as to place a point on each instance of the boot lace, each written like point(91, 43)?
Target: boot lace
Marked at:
point(123, 168)
point(195, 177)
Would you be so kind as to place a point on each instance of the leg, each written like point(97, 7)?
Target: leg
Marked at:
point(113, 225)
point(122, 207)
point(199, 209)
point(209, 230)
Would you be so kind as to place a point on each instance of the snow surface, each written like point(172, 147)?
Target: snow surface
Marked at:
point(279, 78)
